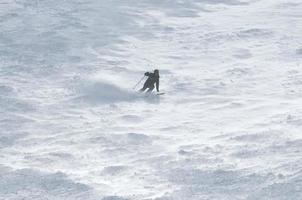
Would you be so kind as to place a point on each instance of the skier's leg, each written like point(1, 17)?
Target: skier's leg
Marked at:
point(144, 87)
point(150, 88)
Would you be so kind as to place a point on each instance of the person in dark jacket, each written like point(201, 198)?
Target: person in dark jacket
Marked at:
point(153, 78)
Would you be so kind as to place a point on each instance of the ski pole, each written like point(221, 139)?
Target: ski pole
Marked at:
point(138, 82)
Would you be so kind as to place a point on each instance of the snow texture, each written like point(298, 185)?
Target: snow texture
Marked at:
point(228, 127)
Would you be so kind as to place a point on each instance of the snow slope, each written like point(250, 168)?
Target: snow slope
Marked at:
point(228, 127)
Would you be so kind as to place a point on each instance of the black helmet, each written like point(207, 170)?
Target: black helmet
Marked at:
point(156, 71)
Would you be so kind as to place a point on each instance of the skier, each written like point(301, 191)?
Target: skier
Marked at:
point(153, 78)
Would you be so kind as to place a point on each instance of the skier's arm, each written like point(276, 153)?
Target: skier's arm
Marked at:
point(147, 74)
point(157, 85)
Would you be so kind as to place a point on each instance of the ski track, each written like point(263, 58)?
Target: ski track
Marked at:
point(227, 128)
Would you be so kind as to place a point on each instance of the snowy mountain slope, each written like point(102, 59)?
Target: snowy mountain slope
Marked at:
point(228, 127)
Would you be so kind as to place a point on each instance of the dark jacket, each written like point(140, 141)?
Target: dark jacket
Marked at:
point(152, 79)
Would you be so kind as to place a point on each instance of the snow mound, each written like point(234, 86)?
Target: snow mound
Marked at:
point(114, 170)
point(32, 184)
point(285, 189)
point(102, 92)
point(121, 140)
point(113, 198)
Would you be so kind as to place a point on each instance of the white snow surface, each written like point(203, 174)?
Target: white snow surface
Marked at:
point(228, 127)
